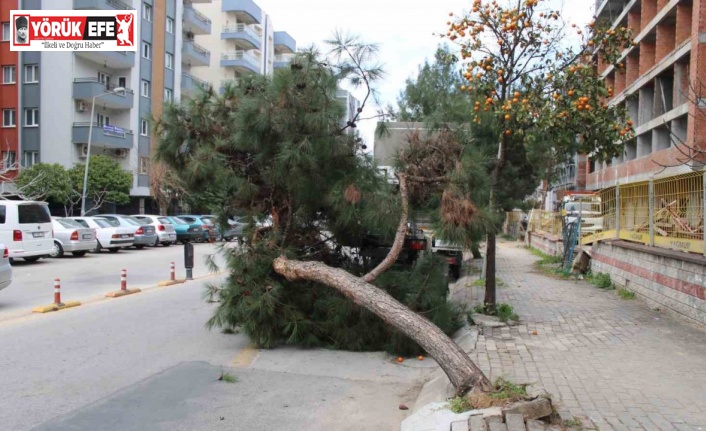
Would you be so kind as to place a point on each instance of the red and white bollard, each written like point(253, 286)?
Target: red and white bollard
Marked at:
point(57, 291)
point(172, 274)
point(123, 279)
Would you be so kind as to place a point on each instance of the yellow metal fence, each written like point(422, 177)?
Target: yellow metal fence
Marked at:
point(666, 212)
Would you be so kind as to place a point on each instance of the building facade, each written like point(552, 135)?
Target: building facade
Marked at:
point(47, 108)
point(655, 85)
point(243, 41)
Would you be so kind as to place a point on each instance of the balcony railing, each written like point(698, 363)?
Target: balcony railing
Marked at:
point(102, 135)
point(198, 15)
point(242, 32)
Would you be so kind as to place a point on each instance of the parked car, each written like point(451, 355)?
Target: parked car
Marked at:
point(165, 229)
point(108, 236)
point(234, 230)
point(145, 234)
point(185, 231)
point(208, 229)
point(26, 229)
point(5, 268)
point(71, 236)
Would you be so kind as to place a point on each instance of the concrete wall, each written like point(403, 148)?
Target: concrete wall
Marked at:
point(669, 280)
point(553, 246)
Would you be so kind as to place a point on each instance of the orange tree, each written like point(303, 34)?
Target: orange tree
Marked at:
point(538, 90)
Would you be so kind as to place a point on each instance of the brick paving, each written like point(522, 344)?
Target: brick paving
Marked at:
point(617, 362)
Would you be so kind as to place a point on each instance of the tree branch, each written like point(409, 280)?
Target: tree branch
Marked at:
point(399, 236)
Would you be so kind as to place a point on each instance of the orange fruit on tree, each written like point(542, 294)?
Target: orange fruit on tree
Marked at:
point(507, 116)
point(400, 359)
point(420, 357)
point(508, 132)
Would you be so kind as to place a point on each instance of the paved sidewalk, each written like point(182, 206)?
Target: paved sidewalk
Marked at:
point(615, 361)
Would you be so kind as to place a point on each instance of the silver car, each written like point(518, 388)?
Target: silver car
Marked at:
point(71, 236)
point(5, 267)
point(165, 228)
point(145, 234)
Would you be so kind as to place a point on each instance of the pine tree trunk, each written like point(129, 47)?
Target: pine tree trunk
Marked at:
point(475, 251)
point(461, 371)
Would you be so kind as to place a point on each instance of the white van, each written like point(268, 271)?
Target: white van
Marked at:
point(26, 229)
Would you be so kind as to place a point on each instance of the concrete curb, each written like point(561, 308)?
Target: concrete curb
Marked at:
point(119, 293)
point(171, 282)
point(55, 307)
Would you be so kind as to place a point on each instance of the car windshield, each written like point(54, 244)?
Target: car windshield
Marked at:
point(102, 222)
point(177, 220)
point(134, 221)
point(110, 221)
point(68, 223)
point(189, 219)
point(164, 220)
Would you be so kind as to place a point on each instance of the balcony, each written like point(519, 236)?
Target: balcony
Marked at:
point(201, 1)
point(241, 61)
point(284, 43)
point(191, 86)
point(281, 61)
point(193, 54)
point(88, 88)
point(242, 35)
point(246, 11)
point(107, 136)
point(110, 59)
point(195, 22)
point(102, 5)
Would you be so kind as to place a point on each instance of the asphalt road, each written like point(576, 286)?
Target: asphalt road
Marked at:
point(92, 276)
point(146, 362)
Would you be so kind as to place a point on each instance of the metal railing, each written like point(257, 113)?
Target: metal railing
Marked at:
point(241, 28)
point(240, 55)
point(201, 17)
point(108, 129)
point(108, 86)
point(198, 48)
point(196, 81)
point(117, 4)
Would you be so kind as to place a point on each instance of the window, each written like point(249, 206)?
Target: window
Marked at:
point(169, 60)
point(104, 79)
point(8, 118)
point(8, 74)
point(31, 73)
point(168, 95)
point(144, 128)
point(31, 117)
point(9, 158)
point(33, 213)
point(170, 25)
point(6, 31)
point(147, 12)
point(146, 50)
point(122, 81)
point(102, 120)
point(146, 90)
point(3, 211)
point(29, 158)
point(144, 165)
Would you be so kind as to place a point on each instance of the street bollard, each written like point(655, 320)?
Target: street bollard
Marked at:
point(57, 291)
point(123, 279)
point(172, 275)
point(189, 260)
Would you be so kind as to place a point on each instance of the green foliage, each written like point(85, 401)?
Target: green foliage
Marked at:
point(507, 390)
point(107, 181)
point(545, 259)
point(227, 377)
point(626, 294)
point(505, 312)
point(460, 404)
point(273, 146)
point(50, 181)
point(601, 280)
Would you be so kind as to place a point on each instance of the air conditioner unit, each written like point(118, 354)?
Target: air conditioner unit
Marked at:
point(81, 106)
point(120, 153)
point(84, 151)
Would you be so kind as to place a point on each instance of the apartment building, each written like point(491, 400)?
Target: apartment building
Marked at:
point(9, 96)
point(47, 97)
point(654, 85)
point(243, 41)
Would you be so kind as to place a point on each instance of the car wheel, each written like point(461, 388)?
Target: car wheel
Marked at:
point(57, 251)
point(98, 248)
point(140, 246)
point(31, 259)
point(156, 242)
point(114, 249)
point(166, 244)
point(78, 253)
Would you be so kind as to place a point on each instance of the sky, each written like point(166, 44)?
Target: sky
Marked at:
point(404, 31)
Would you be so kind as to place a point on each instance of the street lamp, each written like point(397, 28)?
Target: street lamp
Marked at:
point(88, 150)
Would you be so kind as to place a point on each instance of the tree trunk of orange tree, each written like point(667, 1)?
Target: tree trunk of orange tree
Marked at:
point(461, 371)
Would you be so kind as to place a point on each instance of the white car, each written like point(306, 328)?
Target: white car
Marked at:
point(72, 237)
point(5, 268)
point(166, 233)
point(112, 238)
point(25, 229)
